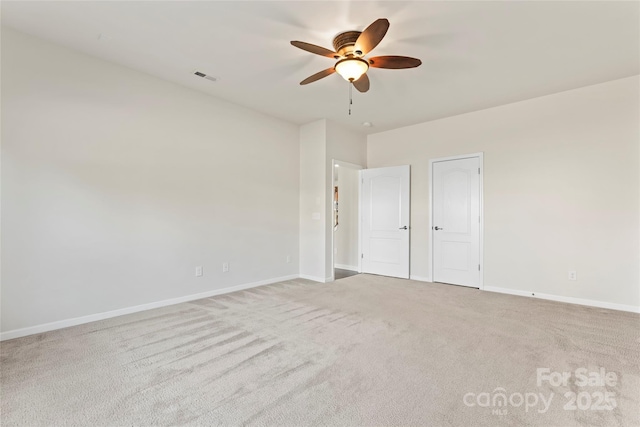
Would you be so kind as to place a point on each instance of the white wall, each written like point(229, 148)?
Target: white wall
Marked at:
point(313, 152)
point(561, 189)
point(116, 184)
point(320, 143)
point(346, 236)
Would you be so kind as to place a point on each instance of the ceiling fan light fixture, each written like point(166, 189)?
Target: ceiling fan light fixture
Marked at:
point(351, 69)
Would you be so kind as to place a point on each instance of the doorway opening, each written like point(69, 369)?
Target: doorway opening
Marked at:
point(345, 246)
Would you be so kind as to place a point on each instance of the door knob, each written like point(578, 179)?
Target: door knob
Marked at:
point(438, 228)
point(403, 228)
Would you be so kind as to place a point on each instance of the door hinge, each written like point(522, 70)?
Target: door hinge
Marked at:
point(478, 171)
point(478, 267)
point(361, 255)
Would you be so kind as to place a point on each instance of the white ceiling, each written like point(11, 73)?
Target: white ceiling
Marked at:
point(475, 54)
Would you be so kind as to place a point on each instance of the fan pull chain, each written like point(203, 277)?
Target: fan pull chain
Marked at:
point(350, 96)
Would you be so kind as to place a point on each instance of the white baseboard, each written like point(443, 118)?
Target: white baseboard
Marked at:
point(570, 300)
point(315, 278)
point(346, 267)
point(419, 278)
point(17, 333)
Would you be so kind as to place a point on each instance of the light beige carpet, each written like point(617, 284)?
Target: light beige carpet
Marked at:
point(362, 351)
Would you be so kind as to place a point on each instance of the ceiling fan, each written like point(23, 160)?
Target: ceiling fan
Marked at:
point(350, 50)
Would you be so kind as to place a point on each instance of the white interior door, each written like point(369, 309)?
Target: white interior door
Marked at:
point(385, 221)
point(456, 221)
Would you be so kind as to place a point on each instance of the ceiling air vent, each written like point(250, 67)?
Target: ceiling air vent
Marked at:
point(204, 76)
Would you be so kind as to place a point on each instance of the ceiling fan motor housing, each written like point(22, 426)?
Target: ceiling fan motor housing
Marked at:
point(343, 43)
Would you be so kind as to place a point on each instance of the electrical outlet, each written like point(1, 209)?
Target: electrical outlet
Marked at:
point(199, 271)
point(573, 275)
point(288, 259)
point(225, 267)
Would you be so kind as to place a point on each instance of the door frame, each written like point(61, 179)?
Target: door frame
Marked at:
point(359, 168)
point(480, 157)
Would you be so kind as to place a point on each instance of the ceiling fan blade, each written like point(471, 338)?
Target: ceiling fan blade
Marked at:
point(362, 84)
point(394, 62)
point(318, 50)
point(371, 36)
point(318, 76)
